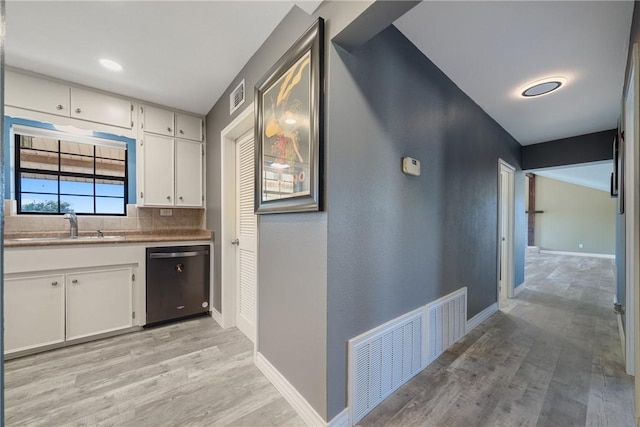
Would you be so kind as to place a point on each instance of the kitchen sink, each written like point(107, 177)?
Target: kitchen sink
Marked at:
point(99, 238)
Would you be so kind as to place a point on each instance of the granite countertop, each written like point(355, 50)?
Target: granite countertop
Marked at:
point(23, 239)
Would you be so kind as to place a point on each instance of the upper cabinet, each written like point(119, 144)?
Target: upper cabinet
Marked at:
point(46, 96)
point(167, 123)
point(36, 94)
point(97, 107)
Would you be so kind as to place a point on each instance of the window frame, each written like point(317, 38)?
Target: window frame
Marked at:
point(59, 137)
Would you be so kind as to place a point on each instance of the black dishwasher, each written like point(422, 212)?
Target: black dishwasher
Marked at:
point(177, 282)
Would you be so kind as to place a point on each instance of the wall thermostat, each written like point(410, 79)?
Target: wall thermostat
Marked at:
point(411, 166)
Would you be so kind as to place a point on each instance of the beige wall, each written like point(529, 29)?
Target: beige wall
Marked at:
point(574, 215)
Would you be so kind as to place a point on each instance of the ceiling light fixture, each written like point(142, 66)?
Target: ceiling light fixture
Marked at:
point(110, 64)
point(542, 87)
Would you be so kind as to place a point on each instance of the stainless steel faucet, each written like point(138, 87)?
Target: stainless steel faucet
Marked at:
point(73, 221)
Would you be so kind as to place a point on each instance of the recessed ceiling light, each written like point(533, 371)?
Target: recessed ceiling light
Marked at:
point(542, 87)
point(110, 64)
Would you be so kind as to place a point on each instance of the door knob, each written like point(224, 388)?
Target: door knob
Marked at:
point(235, 242)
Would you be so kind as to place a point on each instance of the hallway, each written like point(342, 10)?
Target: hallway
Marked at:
point(551, 357)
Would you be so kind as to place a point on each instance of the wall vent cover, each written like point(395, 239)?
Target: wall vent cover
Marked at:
point(446, 322)
point(383, 359)
point(237, 97)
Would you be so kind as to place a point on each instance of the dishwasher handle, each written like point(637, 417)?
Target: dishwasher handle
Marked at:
point(158, 255)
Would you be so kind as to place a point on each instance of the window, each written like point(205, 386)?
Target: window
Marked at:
point(55, 175)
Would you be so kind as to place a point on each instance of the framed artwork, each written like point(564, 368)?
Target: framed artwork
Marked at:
point(289, 128)
point(614, 174)
point(619, 170)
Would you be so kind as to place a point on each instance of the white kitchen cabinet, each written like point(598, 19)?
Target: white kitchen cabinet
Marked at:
point(189, 182)
point(165, 122)
point(33, 311)
point(157, 171)
point(47, 96)
point(172, 172)
point(157, 120)
point(101, 108)
point(98, 301)
point(188, 127)
point(36, 94)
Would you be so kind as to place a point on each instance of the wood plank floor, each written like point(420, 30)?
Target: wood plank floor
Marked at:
point(186, 374)
point(550, 357)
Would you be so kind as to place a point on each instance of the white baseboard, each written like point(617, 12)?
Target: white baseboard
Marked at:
point(217, 316)
point(607, 256)
point(289, 392)
point(481, 317)
point(340, 420)
point(518, 289)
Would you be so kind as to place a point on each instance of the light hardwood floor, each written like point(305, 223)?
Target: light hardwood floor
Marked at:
point(186, 374)
point(551, 357)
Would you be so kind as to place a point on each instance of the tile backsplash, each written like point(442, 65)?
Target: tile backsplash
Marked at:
point(138, 218)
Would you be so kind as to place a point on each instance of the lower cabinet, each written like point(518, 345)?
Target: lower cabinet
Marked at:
point(33, 311)
point(47, 309)
point(98, 302)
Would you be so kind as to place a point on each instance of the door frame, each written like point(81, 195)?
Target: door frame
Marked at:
point(503, 166)
point(242, 124)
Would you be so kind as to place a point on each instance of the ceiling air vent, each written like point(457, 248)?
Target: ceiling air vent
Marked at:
point(236, 99)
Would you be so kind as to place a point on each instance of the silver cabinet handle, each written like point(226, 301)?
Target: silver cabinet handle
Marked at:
point(54, 283)
point(78, 110)
point(181, 132)
point(168, 197)
point(235, 242)
point(168, 129)
point(180, 198)
point(74, 281)
point(59, 107)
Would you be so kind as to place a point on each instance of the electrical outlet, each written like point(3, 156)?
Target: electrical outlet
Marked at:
point(166, 212)
point(580, 245)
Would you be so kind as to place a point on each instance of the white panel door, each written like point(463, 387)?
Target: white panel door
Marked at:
point(100, 108)
point(504, 231)
point(246, 231)
point(158, 171)
point(188, 127)
point(33, 312)
point(98, 302)
point(189, 173)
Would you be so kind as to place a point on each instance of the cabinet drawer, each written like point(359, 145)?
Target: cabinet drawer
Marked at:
point(33, 312)
point(100, 108)
point(188, 127)
point(36, 94)
point(157, 120)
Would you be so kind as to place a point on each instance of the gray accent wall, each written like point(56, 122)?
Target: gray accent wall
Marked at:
point(592, 147)
point(397, 242)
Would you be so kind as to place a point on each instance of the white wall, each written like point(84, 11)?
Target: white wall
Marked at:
point(574, 215)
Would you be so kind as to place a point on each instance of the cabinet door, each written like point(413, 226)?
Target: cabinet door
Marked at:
point(100, 108)
point(188, 127)
point(188, 173)
point(157, 170)
point(33, 312)
point(98, 301)
point(36, 94)
point(157, 120)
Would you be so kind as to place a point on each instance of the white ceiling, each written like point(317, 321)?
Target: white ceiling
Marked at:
point(592, 175)
point(175, 53)
point(491, 49)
